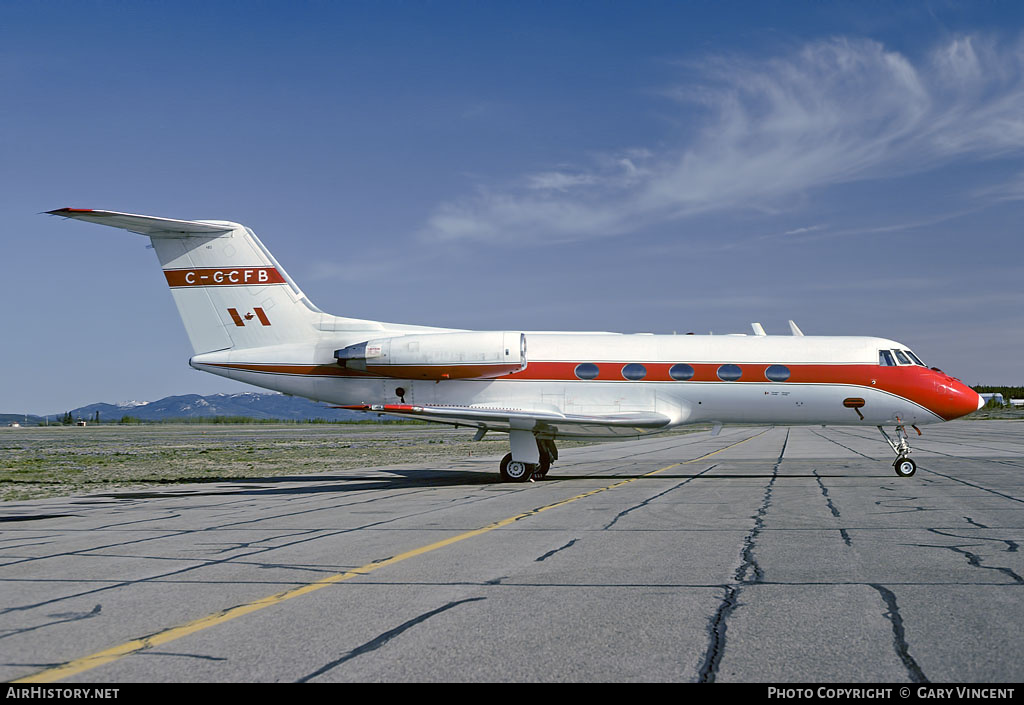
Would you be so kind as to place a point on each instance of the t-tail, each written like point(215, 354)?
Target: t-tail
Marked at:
point(229, 289)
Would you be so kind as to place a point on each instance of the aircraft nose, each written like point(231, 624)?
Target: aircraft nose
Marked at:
point(957, 399)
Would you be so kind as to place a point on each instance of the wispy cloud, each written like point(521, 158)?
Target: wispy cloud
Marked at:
point(801, 231)
point(1011, 189)
point(769, 131)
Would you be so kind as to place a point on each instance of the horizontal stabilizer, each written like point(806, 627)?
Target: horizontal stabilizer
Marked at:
point(623, 423)
point(144, 224)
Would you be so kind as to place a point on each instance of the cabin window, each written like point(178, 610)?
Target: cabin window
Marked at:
point(680, 372)
point(586, 370)
point(729, 373)
point(904, 360)
point(885, 359)
point(634, 371)
point(777, 373)
point(915, 358)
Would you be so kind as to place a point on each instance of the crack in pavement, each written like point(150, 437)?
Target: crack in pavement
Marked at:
point(718, 625)
point(824, 493)
point(749, 563)
point(554, 551)
point(62, 618)
point(384, 638)
point(902, 510)
point(172, 653)
point(175, 533)
point(975, 560)
point(717, 629)
point(899, 637)
point(1011, 546)
point(230, 559)
point(654, 497)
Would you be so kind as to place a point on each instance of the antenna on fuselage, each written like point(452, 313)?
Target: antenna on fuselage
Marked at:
point(795, 329)
point(758, 329)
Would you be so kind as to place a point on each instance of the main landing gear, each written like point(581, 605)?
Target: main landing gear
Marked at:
point(904, 466)
point(521, 471)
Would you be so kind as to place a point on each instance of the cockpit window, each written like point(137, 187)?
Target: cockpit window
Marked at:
point(915, 358)
point(885, 359)
point(904, 360)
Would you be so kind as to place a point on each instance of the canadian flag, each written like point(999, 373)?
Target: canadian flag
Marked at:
point(240, 320)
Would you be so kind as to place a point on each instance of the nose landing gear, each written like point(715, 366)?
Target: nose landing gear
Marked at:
point(904, 466)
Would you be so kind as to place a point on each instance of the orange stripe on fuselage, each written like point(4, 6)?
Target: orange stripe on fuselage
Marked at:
point(936, 391)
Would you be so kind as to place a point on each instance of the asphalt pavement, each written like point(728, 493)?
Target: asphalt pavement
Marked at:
point(762, 554)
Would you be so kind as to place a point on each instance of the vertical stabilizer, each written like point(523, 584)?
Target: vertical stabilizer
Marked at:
point(229, 290)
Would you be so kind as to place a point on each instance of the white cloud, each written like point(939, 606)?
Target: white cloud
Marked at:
point(1011, 189)
point(832, 112)
point(559, 181)
point(801, 231)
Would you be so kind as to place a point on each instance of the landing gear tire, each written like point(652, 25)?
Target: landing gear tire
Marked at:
point(543, 467)
point(515, 470)
point(905, 467)
point(548, 455)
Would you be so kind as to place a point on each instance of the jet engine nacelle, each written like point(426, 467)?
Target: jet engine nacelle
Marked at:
point(478, 355)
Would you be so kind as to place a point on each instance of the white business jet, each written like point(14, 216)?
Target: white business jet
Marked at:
point(249, 321)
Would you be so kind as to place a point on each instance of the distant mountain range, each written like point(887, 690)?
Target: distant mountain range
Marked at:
point(255, 405)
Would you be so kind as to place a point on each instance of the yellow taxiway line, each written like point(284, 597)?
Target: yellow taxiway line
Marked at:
point(114, 653)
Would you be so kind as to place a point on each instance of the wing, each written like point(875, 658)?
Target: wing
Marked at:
point(143, 224)
point(626, 423)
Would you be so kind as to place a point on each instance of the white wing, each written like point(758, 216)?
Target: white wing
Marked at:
point(626, 423)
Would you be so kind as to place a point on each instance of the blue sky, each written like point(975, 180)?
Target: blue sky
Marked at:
point(635, 167)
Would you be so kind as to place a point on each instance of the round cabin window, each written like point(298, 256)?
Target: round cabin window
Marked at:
point(729, 373)
point(680, 372)
point(634, 371)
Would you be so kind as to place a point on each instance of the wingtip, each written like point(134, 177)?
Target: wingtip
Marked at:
point(66, 211)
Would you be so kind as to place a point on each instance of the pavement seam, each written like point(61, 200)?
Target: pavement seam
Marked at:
point(115, 653)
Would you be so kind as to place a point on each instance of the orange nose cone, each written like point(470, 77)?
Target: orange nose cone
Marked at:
point(956, 399)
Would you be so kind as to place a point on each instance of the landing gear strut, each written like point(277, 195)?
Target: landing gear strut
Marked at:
point(548, 455)
point(904, 466)
point(519, 471)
